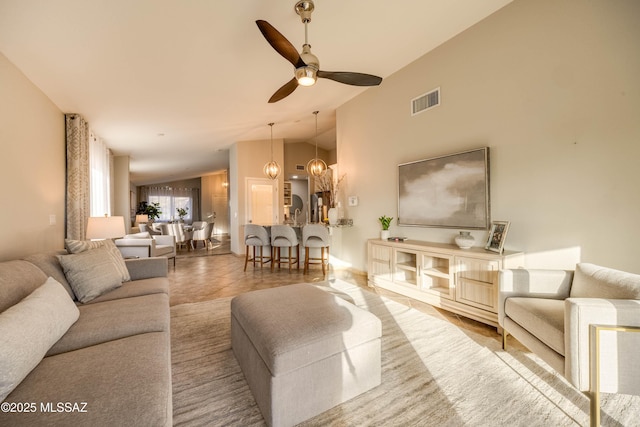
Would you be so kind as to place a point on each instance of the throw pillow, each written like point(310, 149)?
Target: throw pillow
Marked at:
point(91, 273)
point(29, 329)
point(78, 246)
point(593, 281)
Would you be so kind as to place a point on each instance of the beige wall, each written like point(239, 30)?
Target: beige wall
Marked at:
point(215, 200)
point(299, 153)
point(554, 89)
point(247, 160)
point(121, 190)
point(32, 167)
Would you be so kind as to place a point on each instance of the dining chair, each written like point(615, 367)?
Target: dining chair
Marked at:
point(284, 236)
point(201, 232)
point(256, 237)
point(315, 236)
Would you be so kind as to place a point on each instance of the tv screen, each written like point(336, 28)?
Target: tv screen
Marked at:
point(450, 191)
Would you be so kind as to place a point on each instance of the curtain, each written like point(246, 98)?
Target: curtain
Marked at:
point(77, 191)
point(171, 198)
point(99, 156)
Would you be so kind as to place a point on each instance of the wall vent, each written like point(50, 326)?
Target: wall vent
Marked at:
point(300, 167)
point(425, 102)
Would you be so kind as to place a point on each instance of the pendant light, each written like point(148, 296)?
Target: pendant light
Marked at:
point(272, 169)
point(316, 167)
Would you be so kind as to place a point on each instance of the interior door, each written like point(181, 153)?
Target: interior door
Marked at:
point(262, 201)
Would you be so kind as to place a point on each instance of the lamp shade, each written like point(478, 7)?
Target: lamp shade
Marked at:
point(141, 219)
point(105, 227)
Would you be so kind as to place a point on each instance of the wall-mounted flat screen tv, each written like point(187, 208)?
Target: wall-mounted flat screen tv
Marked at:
point(450, 191)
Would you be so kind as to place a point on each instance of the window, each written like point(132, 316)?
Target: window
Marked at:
point(170, 199)
point(100, 177)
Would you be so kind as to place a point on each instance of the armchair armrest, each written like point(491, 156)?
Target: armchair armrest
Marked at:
point(165, 240)
point(619, 351)
point(146, 268)
point(534, 283)
point(135, 242)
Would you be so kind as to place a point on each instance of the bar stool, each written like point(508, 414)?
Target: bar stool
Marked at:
point(256, 236)
point(284, 236)
point(315, 236)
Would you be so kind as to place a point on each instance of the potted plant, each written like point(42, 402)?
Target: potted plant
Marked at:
point(152, 210)
point(182, 212)
point(385, 221)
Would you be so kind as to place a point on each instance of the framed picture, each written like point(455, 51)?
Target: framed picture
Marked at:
point(497, 236)
point(448, 192)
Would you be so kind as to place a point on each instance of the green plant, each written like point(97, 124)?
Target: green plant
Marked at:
point(182, 212)
point(151, 210)
point(385, 221)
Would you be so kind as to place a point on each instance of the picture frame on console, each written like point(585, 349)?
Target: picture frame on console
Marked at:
point(497, 236)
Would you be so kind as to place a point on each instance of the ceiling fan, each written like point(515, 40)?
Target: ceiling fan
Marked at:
point(307, 65)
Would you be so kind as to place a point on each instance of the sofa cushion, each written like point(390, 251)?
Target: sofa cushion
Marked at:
point(29, 328)
point(49, 263)
point(541, 317)
point(78, 246)
point(90, 273)
point(112, 320)
point(126, 382)
point(155, 285)
point(17, 280)
point(593, 281)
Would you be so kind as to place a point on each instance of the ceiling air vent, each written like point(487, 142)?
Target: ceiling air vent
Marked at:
point(425, 101)
point(299, 167)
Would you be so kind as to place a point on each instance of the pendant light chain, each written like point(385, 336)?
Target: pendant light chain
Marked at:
point(272, 168)
point(316, 167)
point(271, 126)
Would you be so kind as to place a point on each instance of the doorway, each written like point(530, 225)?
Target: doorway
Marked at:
point(262, 201)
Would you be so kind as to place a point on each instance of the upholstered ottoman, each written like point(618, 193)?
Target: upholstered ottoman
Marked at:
point(303, 350)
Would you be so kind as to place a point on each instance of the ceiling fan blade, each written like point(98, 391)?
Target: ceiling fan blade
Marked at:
point(284, 91)
point(280, 43)
point(355, 79)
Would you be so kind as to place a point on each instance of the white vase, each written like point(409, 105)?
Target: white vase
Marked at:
point(384, 234)
point(333, 216)
point(465, 240)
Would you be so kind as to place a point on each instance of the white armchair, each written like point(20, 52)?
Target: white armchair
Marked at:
point(551, 312)
point(141, 245)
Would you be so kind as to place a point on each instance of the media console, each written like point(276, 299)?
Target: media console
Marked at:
point(463, 281)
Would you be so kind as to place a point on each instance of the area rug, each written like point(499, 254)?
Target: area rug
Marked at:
point(433, 374)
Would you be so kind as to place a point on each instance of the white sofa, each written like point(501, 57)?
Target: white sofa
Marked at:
point(551, 313)
point(143, 245)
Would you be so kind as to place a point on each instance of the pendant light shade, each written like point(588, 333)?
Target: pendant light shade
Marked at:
point(316, 166)
point(272, 168)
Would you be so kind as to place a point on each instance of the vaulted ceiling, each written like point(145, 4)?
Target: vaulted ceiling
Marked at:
point(173, 84)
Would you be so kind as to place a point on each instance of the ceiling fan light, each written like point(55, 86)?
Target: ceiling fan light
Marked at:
point(306, 76)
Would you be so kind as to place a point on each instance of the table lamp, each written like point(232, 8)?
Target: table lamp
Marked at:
point(105, 227)
point(142, 219)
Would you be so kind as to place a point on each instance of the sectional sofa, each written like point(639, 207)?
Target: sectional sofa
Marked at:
point(84, 339)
